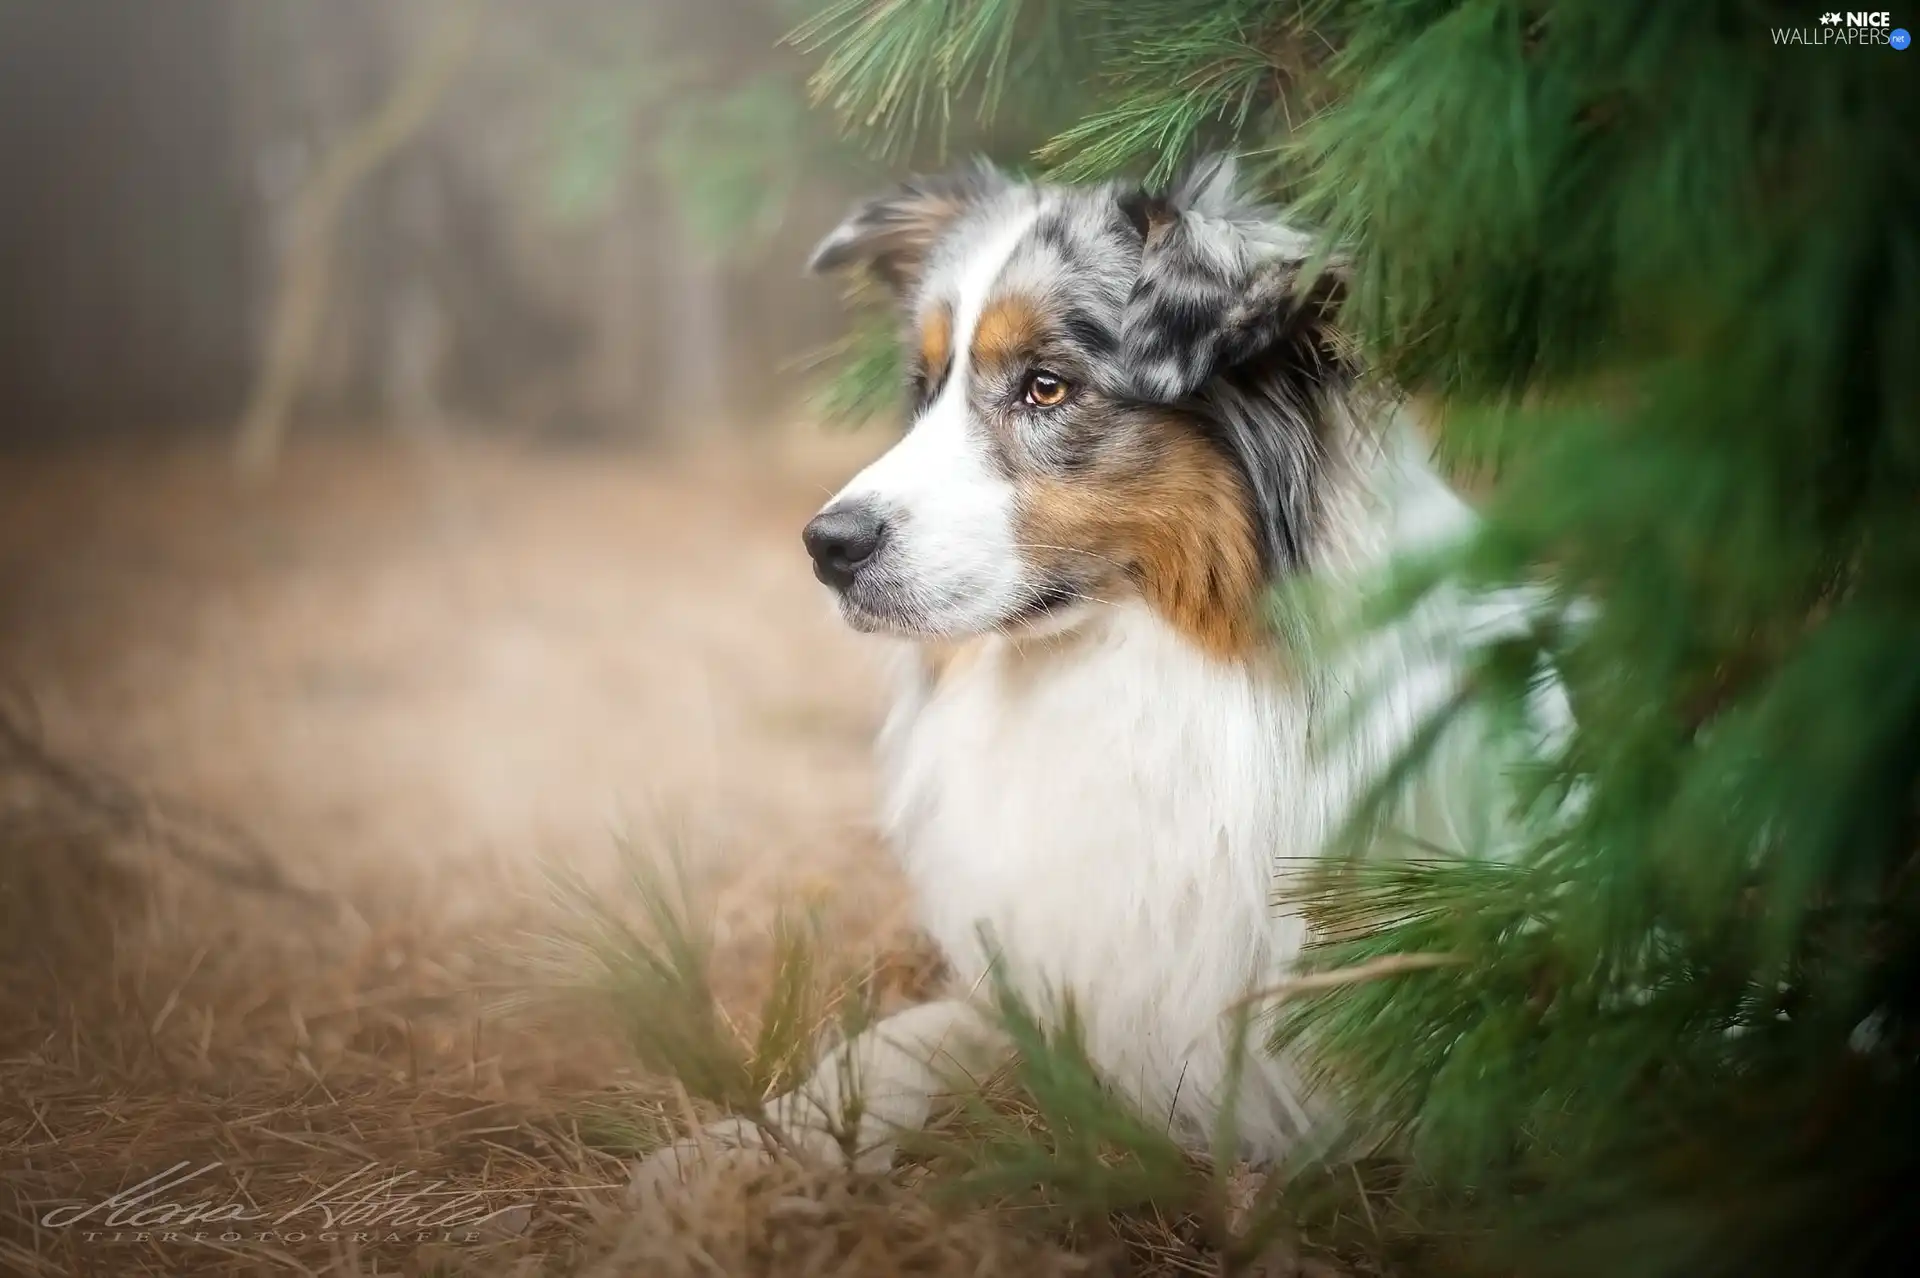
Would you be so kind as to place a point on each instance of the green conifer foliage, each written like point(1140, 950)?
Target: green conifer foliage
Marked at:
point(1662, 270)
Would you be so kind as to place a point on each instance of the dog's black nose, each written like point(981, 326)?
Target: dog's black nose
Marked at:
point(841, 539)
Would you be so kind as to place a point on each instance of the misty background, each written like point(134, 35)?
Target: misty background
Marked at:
point(407, 423)
point(587, 218)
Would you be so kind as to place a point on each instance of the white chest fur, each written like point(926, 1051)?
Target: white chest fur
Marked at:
point(1111, 811)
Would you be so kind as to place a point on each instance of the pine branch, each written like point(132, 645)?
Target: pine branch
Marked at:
point(1658, 265)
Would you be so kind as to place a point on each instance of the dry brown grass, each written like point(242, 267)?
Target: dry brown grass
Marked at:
point(139, 1035)
point(125, 1055)
point(783, 1221)
point(130, 1044)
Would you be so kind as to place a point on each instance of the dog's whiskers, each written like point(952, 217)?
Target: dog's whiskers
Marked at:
point(1035, 592)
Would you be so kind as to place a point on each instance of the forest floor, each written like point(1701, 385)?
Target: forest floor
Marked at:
point(286, 777)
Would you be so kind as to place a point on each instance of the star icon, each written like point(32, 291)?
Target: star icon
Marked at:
point(1830, 19)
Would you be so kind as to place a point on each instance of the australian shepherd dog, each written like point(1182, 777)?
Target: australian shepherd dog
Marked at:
point(1132, 418)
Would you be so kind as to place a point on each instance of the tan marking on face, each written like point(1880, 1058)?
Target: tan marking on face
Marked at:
point(1172, 517)
point(936, 342)
point(1007, 330)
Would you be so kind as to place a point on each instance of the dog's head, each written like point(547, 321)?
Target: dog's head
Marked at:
point(1114, 393)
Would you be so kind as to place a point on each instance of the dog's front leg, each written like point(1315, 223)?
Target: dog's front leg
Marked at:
point(860, 1098)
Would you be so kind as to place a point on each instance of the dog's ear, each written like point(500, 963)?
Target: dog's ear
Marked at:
point(891, 234)
point(1221, 283)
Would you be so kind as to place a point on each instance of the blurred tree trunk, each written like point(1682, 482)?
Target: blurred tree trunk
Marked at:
point(694, 317)
point(622, 331)
point(300, 307)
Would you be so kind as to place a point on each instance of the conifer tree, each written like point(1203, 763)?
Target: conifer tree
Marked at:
point(1659, 270)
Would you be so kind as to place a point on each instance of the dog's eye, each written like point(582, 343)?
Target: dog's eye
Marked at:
point(1046, 390)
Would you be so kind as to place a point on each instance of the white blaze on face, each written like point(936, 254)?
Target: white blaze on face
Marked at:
point(951, 560)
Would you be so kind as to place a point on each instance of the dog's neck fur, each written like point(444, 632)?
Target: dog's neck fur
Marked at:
point(1113, 806)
